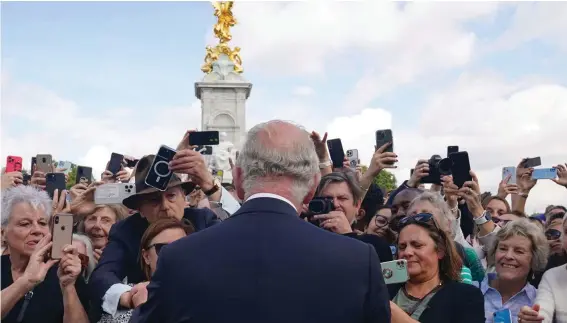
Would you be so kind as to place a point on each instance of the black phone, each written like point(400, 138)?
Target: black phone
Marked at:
point(27, 179)
point(532, 162)
point(159, 173)
point(461, 168)
point(204, 138)
point(84, 175)
point(336, 152)
point(115, 164)
point(452, 149)
point(54, 181)
point(205, 150)
point(383, 137)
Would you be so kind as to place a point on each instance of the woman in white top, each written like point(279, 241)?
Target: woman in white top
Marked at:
point(551, 301)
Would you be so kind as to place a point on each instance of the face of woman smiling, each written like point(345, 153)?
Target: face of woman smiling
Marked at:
point(513, 258)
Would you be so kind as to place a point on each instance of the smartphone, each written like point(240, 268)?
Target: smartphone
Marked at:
point(219, 174)
point(131, 163)
point(510, 170)
point(452, 149)
point(27, 179)
point(65, 165)
point(115, 164)
point(395, 271)
point(113, 193)
point(383, 137)
point(205, 150)
point(531, 162)
point(544, 173)
point(159, 173)
point(54, 181)
point(503, 316)
point(352, 155)
point(202, 138)
point(84, 175)
point(336, 152)
point(33, 165)
point(61, 234)
point(13, 164)
point(461, 168)
point(44, 163)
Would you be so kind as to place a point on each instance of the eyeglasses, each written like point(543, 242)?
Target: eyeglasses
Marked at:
point(552, 234)
point(421, 218)
point(157, 246)
point(381, 221)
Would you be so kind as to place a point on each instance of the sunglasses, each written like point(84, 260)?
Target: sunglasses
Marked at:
point(552, 234)
point(556, 216)
point(157, 246)
point(421, 219)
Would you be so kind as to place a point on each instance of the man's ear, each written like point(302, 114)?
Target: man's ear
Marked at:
point(238, 181)
point(361, 214)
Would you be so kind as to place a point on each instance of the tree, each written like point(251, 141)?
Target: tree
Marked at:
point(72, 176)
point(384, 180)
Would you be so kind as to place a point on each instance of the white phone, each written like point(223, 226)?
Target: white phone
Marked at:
point(395, 271)
point(113, 193)
point(511, 170)
point(352, 155)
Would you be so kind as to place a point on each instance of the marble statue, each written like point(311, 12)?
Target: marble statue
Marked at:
point(222, 153)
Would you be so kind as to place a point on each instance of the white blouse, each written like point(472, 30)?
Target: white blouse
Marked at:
point(552, 295)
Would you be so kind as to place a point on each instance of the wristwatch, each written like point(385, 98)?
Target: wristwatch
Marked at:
point(214, 189)
point(485, 217)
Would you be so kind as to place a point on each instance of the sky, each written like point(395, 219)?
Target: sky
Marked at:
point(81, 80)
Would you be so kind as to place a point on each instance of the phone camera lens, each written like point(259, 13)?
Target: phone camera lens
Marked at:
point(56, 219)
point(44, 160)
point(62, 228)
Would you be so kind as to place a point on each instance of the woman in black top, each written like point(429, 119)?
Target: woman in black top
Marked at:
point(35, 289)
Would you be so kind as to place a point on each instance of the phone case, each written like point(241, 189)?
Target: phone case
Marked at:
point(84, 175)
point(66, 165)
point(159, 174)
point(544, 173)
point(509, 171)
point(61, 234)
point(13, 164)
point(115, 163)
point(113, 193)
point(383, 137)
point(352, 155)
point(532, 162)
point(503, 316)
point(54, 181)
point(395, 271)
point(336, 152)
point(461, 168)
point(44, 163)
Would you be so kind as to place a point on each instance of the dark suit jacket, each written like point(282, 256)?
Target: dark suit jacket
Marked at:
point(120, 257)
point(265, 264)
point(454, 303)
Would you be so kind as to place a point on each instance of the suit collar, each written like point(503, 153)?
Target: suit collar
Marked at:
point(263, 204)
point(273, 196)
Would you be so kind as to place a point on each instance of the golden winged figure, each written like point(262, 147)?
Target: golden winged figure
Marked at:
point(223, 11)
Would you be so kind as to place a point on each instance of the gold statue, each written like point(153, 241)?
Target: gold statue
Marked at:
point(225, 20)
point(223, 12)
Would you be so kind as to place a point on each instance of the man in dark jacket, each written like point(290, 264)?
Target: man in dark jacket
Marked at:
point(120, 258)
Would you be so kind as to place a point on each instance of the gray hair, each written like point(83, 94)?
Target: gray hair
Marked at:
point(89, 246)
point(524, 228)
point(347, 177)
point(23, 194)
point(447, 218)
point(297, 161)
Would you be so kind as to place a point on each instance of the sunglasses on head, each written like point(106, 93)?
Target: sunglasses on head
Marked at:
point(552, 234)
point(157, 246)
point(420, 218)
point(556, 216)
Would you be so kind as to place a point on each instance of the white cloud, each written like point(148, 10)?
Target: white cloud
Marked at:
point(496, 122)
point(303, 91)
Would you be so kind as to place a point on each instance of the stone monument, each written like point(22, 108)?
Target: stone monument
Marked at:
point(223, 91)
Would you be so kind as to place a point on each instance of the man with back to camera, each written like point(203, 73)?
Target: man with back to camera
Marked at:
point(265, 264)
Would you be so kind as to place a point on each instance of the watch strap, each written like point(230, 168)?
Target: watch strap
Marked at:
point(214, 189)
point(485, 217)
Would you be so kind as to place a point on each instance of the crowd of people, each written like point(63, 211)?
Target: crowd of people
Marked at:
point(254, 250)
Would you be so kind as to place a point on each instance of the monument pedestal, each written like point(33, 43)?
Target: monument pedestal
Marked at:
point(223, 94)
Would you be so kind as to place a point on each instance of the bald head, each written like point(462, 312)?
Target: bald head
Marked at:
point(277, 157)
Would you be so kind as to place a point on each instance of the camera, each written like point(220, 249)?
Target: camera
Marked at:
point(56, 219)
point(437, 167)
point(321, 205)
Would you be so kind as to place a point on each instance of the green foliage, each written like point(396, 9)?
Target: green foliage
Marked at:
point(384, 180)
point(72, 176)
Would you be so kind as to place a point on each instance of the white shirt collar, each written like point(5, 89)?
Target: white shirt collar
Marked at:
point(272, 196)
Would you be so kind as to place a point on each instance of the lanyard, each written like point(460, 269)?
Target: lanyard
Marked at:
point(27, 299)
point(412, 309)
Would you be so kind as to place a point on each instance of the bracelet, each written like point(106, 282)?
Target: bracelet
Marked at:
point(524, 195)
point(326, 164)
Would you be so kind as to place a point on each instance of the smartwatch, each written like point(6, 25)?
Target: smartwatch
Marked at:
point(485, 217)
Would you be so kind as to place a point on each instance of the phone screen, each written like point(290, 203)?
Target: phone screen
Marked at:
point(115, 164)
point(204, 138)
